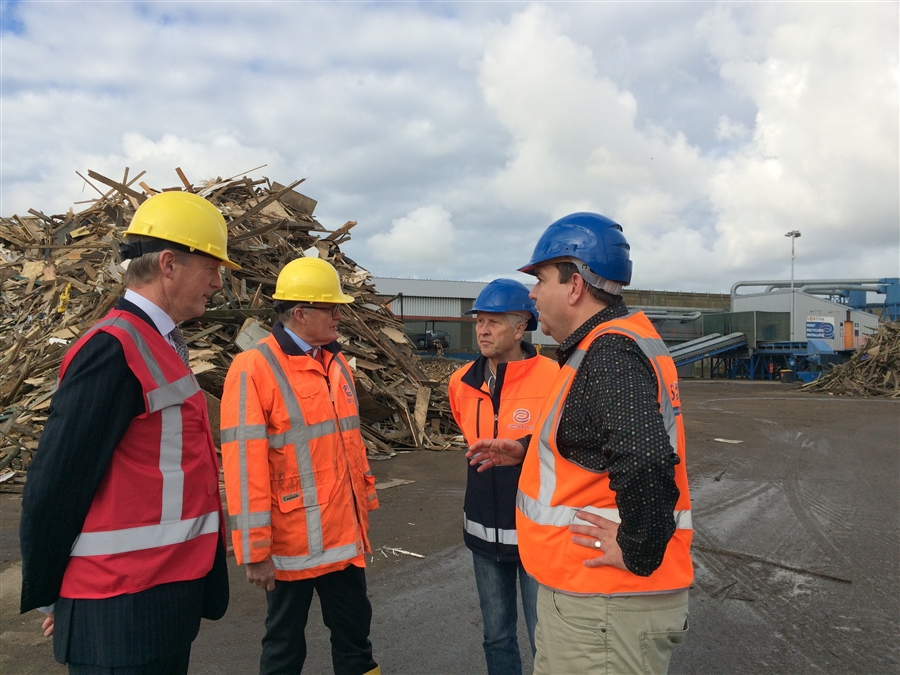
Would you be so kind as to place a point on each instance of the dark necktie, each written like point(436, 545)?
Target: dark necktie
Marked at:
point(319, 355)
point(177, 338)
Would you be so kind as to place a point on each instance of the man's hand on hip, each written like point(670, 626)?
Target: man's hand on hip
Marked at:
point(601, 536)
point(491, 452)
point(262, 574)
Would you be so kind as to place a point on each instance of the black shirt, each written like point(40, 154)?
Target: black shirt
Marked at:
point(611, 423)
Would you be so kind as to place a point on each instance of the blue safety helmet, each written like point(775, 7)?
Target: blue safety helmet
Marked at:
point(506, 295)
point(593, 239)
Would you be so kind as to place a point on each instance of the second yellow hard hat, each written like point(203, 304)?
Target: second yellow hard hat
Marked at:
point(310, 280)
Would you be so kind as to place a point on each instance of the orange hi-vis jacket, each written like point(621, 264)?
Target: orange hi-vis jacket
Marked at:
point(552, 489)
point(489, 512)
point(157, 515)
point(297, 479)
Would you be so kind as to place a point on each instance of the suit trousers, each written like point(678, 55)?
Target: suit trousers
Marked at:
point(177, 664)
point(346, 612)
point(131, 629)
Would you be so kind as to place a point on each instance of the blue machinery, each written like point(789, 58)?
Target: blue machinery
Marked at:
point(731, 357)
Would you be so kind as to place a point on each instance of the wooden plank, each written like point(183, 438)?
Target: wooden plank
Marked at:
point(262, 204)
point(299, 202)
point(184, 180)
point(124, 189)
point(423, 396)
point(343, 229)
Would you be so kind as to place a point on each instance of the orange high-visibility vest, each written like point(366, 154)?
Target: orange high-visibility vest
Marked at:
point(157, 514)
point(297, 479)
point(489, 512)
point(552, 488)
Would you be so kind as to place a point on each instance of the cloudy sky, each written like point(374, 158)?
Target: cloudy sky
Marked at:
point(454, 133)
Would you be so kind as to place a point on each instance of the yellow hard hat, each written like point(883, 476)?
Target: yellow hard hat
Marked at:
point(181, 218)
point(310, 280)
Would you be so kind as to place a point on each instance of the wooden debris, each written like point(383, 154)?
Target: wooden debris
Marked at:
point(874, 370)
point(59, 274)
point(400, 551)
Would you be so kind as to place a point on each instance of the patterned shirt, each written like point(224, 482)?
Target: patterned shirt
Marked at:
point(611, 423)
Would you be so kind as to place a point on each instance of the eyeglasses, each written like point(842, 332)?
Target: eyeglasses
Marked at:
point(334, 309)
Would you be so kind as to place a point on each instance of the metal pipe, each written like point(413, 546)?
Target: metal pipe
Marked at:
point(688, 310)
point(780, 283)
point(817, 289)
point(693, 316)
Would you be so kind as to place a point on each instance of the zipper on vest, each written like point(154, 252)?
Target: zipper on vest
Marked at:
point(496, 515)
point(494, 495)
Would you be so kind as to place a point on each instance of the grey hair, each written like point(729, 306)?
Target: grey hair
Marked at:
point(145, 269)
point(515, 318)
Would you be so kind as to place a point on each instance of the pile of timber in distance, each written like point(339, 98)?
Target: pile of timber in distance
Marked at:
point(874, 370)
point(60, 274)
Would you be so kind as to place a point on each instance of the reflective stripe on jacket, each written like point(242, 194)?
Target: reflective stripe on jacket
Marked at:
point(297, 479)
point(489, 512)
point(157, 512)
point(552, 488)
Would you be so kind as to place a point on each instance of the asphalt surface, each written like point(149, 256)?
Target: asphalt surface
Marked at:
point(797, 539)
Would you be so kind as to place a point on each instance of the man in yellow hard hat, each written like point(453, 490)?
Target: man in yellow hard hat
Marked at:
point(297, 478)
point(122, 530)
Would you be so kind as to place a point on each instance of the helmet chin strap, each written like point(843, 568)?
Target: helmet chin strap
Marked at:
point(595, 280)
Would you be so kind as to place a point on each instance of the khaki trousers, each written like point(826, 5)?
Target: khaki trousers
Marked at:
point(598, 635)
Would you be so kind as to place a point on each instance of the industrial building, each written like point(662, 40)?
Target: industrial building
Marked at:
point(790, 328)
point(799, 326)
point(435, 305)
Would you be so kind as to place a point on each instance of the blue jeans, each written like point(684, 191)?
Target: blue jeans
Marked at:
point(496, 582)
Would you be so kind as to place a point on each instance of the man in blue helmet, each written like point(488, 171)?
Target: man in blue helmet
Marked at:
point(603, 508)
point(500, 395)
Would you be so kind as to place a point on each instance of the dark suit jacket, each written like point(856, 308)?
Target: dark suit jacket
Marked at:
point(89, 415)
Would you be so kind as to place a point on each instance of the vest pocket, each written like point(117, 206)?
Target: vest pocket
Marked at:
point(289, 496)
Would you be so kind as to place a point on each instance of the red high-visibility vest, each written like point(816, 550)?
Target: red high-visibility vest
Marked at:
point(157, 514)
point(297, 478)
point(552, 489)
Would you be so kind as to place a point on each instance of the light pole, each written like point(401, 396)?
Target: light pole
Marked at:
point(793, 234)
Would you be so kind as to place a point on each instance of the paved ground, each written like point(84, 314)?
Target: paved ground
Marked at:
point(796, 551)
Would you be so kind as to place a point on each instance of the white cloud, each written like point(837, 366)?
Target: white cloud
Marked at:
point(726, 129)
point(708, 130)
point(420, 240)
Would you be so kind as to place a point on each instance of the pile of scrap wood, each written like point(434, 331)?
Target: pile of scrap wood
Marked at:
point(62, 273)
point(440, 369)
point(872, 371)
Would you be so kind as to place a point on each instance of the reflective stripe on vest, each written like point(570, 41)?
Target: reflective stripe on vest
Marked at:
point(299, 435)
point(303, 562)
point(490, 534)
point(165, 399)
point(145, 536)
point(563, 516)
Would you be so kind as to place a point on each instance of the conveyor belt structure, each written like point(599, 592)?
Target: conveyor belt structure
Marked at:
point(708, 345)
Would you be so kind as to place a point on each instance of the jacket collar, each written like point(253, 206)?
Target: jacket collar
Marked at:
point(474, 376)
point(128, 306)
point(568, 345)
point(291, 348)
